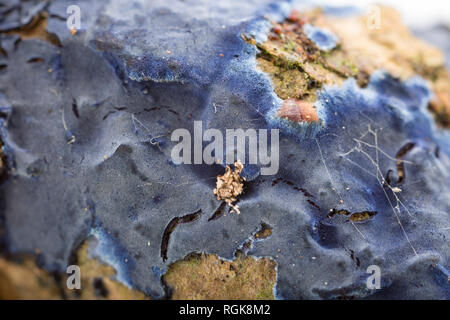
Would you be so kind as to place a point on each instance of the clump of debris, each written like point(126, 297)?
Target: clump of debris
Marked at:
point(230, 185)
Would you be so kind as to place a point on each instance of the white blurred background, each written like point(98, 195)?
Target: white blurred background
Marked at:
point(416, 13)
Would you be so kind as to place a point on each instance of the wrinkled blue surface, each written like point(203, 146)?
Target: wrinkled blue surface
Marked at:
point(114, 184)
point(16, 13)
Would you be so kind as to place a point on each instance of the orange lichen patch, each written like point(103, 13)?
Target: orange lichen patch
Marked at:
point(230, 185)
point(36, 29)
point(298, 68)
point(207, 277)
point(296, 17)
point(298, 111)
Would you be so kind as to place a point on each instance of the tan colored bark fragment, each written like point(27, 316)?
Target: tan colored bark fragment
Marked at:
point(298, 68)
point(208, 277)
point(22, 279)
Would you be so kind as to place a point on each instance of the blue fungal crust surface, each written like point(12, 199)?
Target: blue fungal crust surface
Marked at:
point(324, 39)
point(138, 70)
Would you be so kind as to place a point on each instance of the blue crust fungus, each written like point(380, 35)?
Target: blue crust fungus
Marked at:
point(364, 170)
point(324, 40)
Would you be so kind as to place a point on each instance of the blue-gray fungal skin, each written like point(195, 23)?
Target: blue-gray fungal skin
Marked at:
point(324, 39)
point(16, 13)
point(118, 74)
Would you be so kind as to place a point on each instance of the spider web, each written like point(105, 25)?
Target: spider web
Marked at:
point(360, 147)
